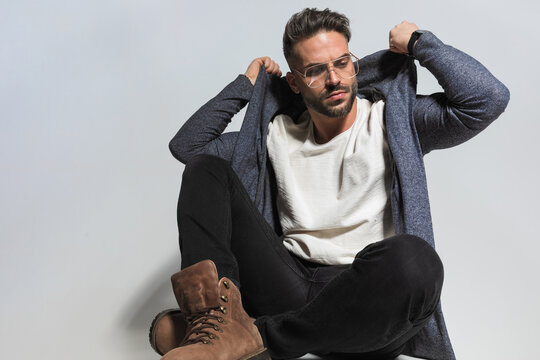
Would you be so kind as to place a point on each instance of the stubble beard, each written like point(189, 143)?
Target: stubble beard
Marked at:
point(333, 110)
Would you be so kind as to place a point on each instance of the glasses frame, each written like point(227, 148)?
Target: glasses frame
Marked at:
point(353, 57)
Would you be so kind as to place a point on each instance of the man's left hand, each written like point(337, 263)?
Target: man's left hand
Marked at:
point(400, 35)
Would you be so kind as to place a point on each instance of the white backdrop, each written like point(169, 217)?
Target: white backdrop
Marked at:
point(92, 91)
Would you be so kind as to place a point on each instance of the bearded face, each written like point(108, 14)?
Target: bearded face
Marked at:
point(323, 72)
point(326, 105)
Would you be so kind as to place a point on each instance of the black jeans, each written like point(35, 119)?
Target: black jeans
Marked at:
point(366, 310)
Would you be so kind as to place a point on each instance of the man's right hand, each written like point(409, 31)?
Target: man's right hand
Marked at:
point(253, 69)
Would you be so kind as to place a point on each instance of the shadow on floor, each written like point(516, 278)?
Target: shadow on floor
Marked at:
point(153, 295)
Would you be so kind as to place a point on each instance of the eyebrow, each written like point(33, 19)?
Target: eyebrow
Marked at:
point(313, 64)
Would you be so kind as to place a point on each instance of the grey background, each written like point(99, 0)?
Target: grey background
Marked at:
point(92, 91)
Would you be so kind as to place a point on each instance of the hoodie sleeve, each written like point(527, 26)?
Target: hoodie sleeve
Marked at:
point(202, 133)
point(472, 98)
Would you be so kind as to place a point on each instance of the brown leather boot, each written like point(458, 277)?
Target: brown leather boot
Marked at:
point(167, 331)
point(218, 326)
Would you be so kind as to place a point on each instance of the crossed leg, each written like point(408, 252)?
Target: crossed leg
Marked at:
point(368, 309)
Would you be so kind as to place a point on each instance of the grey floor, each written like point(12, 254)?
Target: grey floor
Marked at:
point(314, 357)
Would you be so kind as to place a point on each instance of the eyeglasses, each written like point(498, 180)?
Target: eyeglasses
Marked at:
point(346, 67)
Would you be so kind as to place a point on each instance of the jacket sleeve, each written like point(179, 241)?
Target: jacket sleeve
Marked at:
point(472, 98)
point(202, 133)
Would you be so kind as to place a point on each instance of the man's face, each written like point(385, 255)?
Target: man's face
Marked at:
point(336, 97)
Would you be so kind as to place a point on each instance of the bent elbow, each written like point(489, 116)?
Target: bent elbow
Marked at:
point(175, 147)
point(497, 100)
point(500, 99)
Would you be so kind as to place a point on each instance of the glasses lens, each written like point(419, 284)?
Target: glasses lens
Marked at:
point(345, 67)
point(316, 75)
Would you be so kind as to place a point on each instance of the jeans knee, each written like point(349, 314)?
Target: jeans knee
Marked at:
point(422, 267)
point(405, 273)
point(417, 265)
point(205, 164)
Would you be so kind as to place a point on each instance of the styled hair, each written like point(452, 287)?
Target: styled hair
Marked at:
point(310, 22)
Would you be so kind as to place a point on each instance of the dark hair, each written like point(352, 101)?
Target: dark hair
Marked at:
point(308, 23)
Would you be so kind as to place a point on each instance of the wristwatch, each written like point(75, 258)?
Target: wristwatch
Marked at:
point(414, 36)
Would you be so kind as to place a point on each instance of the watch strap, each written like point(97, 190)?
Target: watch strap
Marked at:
point(414, 36)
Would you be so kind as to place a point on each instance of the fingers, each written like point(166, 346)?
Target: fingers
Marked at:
point(270, 65)
point(399, 35)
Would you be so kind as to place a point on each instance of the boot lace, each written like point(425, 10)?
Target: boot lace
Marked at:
point(203, 326)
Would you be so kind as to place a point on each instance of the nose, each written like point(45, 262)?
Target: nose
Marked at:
point(332, 78)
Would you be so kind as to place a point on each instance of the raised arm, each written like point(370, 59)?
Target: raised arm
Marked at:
point(203, 131)
point(472, 98)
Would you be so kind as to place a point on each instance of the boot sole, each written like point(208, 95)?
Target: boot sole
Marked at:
point(151, 334)
point(263, 355)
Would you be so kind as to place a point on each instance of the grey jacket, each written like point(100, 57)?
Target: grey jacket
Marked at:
point(416, 125)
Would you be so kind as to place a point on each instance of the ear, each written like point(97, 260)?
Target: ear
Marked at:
point(291, 79)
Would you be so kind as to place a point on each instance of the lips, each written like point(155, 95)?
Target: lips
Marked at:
point(336, 95)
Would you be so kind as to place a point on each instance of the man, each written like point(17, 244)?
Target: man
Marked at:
point(317, 208)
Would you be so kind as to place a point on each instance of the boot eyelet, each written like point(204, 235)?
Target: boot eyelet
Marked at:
point(206, 341)
point(221, 320)
point(223, 309)
point(225, 298)
point(217, 328)
point(226, 283)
